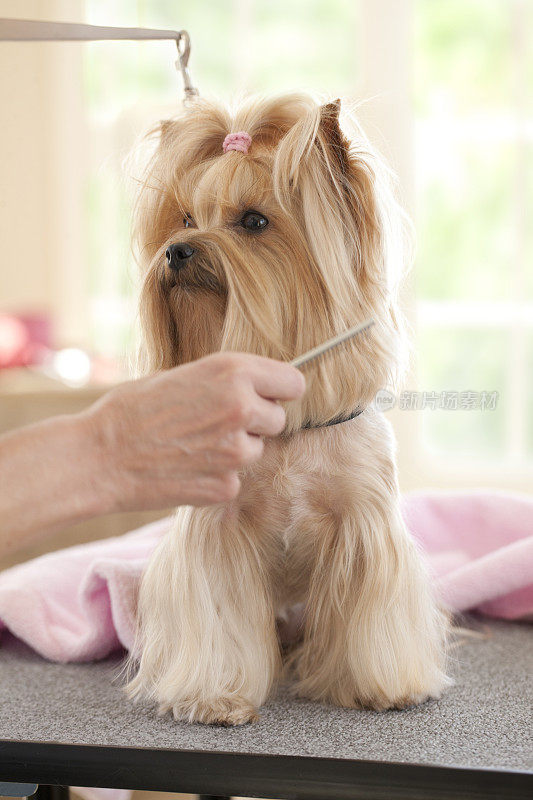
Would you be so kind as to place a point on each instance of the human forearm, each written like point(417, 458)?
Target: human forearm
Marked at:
point(50, 477)
point(178, 437)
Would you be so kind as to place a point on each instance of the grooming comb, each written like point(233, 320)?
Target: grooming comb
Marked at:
point(305, 358)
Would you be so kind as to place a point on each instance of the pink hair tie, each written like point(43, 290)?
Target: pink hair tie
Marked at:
point(240, 141)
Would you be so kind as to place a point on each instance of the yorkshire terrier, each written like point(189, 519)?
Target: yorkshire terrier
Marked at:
point(269, 230)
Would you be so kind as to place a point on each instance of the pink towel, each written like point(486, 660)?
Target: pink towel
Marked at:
point(479, 546)
point(78, 604)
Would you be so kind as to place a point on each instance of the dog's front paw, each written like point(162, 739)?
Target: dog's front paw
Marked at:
point(232, 710)
point(411, 697)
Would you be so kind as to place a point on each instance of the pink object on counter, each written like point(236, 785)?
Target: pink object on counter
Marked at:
point(79, 604)
point(24, 339)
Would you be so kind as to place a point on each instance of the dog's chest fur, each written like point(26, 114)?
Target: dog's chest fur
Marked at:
point(309, 482)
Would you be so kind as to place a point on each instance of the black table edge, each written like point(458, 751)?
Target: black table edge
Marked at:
point(243, 774)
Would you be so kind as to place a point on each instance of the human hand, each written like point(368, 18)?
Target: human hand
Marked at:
point(181, 436)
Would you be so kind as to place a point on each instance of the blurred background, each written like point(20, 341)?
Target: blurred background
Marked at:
point(447, 91)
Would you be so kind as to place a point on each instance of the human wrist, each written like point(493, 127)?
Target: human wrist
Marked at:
point(97, 495)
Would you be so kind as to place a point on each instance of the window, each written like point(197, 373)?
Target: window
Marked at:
point(473, 79)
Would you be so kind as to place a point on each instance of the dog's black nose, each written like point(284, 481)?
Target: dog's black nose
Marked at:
point(178, 255)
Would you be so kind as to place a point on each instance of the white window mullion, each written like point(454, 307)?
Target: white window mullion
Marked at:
point(386, 115)
point(517, 373)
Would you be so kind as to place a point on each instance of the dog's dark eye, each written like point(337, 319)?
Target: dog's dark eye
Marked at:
point(188, 221)
point(254, 221)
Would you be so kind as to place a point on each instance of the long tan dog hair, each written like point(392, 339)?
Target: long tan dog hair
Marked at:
point(317, 520)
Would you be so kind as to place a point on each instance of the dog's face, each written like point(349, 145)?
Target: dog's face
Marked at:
point(271, 251)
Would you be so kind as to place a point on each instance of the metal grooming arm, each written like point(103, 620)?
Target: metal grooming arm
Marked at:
point(26, 30)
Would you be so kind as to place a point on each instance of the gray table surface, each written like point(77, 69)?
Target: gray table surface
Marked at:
point(483, 721)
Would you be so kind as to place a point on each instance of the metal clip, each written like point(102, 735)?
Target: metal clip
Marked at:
point(183, 44)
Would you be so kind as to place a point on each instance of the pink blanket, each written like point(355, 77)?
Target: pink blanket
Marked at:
point(78, 604)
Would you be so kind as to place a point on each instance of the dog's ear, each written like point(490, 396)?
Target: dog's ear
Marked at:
point(354, 177)
point(316, 141)
point(351, 169)
point(337, 186)
point(331, 138)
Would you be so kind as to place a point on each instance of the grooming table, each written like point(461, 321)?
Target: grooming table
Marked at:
point(71, 724)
